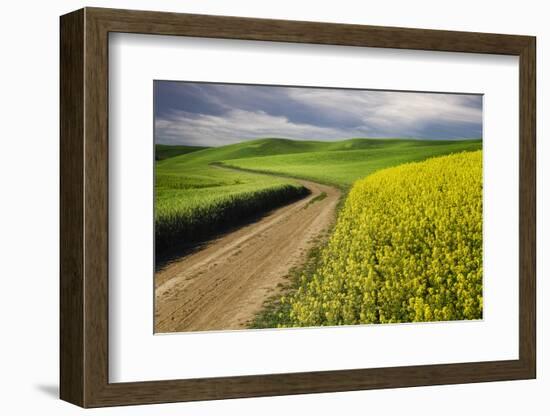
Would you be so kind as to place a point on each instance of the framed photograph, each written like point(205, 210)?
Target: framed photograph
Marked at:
point(255, 207)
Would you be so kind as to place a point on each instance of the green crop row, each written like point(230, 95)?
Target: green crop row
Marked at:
point(183, 217)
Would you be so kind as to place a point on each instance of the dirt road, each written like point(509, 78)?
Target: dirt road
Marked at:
point(224, 285)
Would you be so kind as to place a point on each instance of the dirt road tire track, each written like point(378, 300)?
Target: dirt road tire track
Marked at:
point(224, 285)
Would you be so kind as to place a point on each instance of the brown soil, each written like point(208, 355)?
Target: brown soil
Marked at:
point(224, 285)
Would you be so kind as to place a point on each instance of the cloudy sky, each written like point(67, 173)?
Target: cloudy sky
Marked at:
point(218, 114)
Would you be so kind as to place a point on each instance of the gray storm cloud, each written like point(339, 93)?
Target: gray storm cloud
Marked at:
point(220, 114)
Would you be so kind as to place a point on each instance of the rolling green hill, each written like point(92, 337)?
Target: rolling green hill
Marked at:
point(341, 163)
point(278, 146)
point(164, 151)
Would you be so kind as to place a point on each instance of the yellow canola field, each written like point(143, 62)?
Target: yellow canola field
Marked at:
point(407, 247)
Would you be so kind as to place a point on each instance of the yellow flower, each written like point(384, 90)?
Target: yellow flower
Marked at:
point(407, 246)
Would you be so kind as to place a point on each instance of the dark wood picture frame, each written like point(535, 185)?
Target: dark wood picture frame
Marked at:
point(84, 207)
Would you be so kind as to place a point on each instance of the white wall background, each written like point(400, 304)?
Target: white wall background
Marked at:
point(29, 84)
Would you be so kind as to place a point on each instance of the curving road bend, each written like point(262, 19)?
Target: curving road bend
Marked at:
point(224, 285)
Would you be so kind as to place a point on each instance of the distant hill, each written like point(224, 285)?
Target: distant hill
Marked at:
point(261, 152)
point(337, 163)
point(164, 151)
